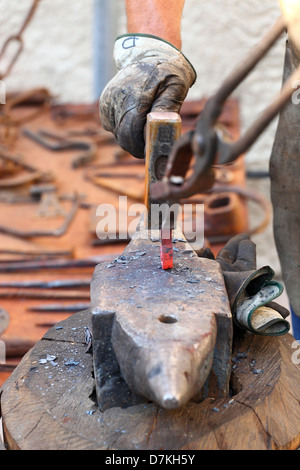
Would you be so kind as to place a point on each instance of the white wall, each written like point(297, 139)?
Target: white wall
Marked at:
point(217, 34)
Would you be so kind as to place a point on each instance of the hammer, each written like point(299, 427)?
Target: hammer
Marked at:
point(162, 130)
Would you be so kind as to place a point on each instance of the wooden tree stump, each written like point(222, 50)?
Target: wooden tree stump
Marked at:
point(49, 403)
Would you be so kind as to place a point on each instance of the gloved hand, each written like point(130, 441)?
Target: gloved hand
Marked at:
point(152, 76)
point(251, 291)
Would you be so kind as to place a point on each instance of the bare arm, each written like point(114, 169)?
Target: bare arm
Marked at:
point(152, 74)
point(157, 17)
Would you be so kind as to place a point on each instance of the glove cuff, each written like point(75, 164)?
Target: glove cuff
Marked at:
point(240, 285)
point(132, 48)
point(259, 315)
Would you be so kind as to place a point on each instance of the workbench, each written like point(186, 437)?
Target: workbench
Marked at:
point(50, 404)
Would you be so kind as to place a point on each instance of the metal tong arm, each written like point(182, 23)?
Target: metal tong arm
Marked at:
point(227, 152)
point(206, 143)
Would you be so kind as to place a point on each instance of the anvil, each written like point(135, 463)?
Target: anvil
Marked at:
point(163, 335)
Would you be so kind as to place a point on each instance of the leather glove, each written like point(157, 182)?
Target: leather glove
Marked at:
point(251, 291)
point(152, 76)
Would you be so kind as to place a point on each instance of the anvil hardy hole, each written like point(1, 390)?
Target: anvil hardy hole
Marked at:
point(167, 319)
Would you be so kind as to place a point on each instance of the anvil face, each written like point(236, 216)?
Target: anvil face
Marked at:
point(163, 323)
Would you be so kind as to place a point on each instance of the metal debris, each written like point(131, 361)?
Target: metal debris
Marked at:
point(71, 363)
point(88, 339)
point(48, 358)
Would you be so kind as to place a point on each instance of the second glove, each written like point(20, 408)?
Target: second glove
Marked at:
point(251, 291)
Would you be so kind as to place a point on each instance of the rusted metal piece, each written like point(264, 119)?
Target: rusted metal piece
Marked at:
point(31, 173)
point(58, 232)
point(39, 98)
point(58, 143)
point(59, 308)
point(160, 326)
point(42, 254)
point(166, 248)
point(62, 112)
point(206, 142)
point(50, 206)
point(18, 37)
point(4, 320)
point(54, 264)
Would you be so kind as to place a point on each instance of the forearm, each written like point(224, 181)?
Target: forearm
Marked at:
point(158, 17)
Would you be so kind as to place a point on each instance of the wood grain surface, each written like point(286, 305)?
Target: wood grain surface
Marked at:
point(48, 406)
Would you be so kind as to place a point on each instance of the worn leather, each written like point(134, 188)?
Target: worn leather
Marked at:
point(158, 83)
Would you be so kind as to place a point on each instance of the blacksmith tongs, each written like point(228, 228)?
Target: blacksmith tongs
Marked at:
point(206, 142)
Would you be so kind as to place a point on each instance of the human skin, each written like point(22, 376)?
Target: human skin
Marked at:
point(160, 18)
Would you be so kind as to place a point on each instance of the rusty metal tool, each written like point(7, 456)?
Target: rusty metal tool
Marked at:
point(57, 232)
point(58, 143)
point(4, 320)
point(59, 308)
point(17, 38)
point(56, 284)
point(162, 131)
point(206, 142)
point(159, 335)
point(56, 264)
point(31, 173)
point(16, 346)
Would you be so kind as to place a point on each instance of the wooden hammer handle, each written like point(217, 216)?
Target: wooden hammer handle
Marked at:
point(162, 130)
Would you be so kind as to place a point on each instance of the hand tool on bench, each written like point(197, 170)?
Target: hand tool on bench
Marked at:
point(155, 330)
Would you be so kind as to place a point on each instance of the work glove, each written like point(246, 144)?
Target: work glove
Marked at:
point(152, 76)
point(251, 291)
